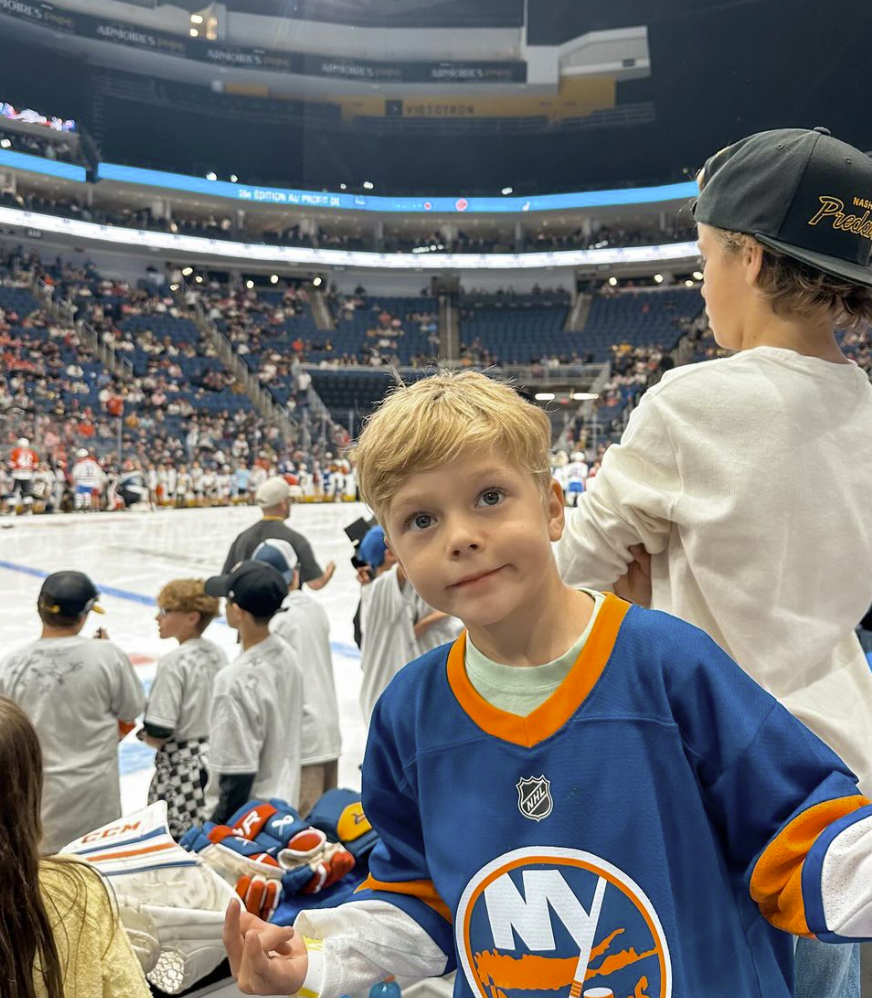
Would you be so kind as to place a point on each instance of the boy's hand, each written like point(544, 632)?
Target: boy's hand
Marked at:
point(635, 585)
point(364, 575)
point(265, 959)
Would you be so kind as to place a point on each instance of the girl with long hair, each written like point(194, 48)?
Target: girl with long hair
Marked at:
point(60, 936)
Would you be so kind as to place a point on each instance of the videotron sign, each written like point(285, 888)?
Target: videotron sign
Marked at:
point(304, 64)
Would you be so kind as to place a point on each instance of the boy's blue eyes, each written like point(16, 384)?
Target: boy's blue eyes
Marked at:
point(495, 494)
point(421, 521)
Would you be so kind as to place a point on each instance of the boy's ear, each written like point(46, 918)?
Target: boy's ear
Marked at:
point(392, 551)
point(556, 510)
point(752, 258)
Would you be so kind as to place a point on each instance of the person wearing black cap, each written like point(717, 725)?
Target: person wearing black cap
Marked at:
point(81, 695)
point(256, 719)
point(739, 493)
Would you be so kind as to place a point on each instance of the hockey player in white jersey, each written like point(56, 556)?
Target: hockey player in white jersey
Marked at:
point(88, 480)
point(574, 478)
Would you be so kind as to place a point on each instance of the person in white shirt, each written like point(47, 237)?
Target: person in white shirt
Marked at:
point(183, 487)
point(575, 475)
point(88, 480)
point(82, 695)
point(304, 624)
point(210, 485)
point(394, 621)
point(176, 721)
point(739, 493)
point(256, 720)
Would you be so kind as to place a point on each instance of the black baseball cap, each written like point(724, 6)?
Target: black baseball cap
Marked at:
point(799, 191)
point(69, 594)
point(254, 586)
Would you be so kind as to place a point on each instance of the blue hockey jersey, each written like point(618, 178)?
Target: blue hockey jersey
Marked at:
point(640, 835)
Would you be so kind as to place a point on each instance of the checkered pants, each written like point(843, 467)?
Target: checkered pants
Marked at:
point(181, 771)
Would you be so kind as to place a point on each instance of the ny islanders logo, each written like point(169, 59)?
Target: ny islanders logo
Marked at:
point(560, 923)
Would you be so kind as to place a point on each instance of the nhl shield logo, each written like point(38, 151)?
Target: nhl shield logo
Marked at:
point(534, 797)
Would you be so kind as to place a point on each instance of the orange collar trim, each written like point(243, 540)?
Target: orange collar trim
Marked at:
point(279, 519)
point(550, 716)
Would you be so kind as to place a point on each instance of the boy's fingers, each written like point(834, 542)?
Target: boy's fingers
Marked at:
point(273, 937)
point(232, 936)
point(254, 970)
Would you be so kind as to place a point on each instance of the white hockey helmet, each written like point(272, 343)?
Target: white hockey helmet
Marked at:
point(23, 442)
point(82, 452)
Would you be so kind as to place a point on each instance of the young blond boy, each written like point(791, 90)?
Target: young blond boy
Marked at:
point(618, 818)
point(176, 720)
point(748, 479)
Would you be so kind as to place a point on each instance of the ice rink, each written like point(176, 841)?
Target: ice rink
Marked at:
point(131, 555)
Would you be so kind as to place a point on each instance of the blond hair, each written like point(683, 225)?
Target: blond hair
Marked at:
point(795, 288)
point(427, 424)
point(189, 596)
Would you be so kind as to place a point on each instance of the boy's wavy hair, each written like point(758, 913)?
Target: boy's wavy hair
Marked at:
point(429, 423)
point(795, 288)
point(190, 596)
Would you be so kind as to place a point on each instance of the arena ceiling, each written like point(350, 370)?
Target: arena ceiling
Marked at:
point(718, 70)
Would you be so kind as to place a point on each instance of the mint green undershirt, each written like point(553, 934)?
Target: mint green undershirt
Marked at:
point(521, 689)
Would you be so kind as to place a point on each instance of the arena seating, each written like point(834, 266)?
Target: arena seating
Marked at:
point(518, 329)
point(397, 326)
point(639, 318)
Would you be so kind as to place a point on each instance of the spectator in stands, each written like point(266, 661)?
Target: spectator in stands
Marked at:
point(274, 499)
point(713, 475)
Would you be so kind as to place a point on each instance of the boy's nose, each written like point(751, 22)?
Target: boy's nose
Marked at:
point(464, 538)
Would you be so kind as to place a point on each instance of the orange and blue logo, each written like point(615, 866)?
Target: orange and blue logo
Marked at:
point(544, 922)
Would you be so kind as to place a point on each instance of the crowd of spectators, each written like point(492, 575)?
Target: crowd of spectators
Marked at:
point(53, 390)
point(680, 229)
point(64, 149)
point(219, 226)
point(161, 413)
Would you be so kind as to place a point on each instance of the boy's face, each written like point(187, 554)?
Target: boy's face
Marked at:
point(725, 288)
point(175, 623)
point(474, 536)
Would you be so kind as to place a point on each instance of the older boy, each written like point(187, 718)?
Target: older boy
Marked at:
point(81, 695)
point(616, 824)
point(748, 479)
point(257, 711)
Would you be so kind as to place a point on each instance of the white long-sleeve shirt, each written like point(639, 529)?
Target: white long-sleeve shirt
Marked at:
point(749, 480)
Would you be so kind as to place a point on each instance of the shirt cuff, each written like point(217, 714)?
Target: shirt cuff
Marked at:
point(314, 980)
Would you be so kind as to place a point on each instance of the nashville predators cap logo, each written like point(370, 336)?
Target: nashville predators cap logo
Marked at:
point(561, 922)
point(534, 797)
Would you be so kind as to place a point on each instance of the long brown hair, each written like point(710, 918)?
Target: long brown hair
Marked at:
point(26, 936)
